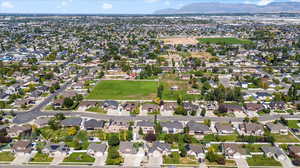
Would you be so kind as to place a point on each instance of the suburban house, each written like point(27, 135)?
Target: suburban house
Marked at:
point(86, 105)
point(224, 128)
point(57, 103)
point(294, 151)
point(127, 148)
point(116, 126)
point(277, 105)
point(231, 108)
point(17, 130)
point(169, 107)
point(110, 105)
point(248, 128)
point(254, 107)
point(197, 128)
point(146, 126)
point(22, 146)
point(149, 108)
point(273, 151)
point(93, 124)
point(277, 128)
point(130, 106)
point(71, 122)
point(188, 106)
point(234, 151)
point(172, 127)
point(196, 150)
point(96, 149)
point(56, 149)
point(159, 148)
point(42, 122)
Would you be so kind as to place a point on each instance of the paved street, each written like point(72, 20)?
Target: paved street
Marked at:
point(241, 163)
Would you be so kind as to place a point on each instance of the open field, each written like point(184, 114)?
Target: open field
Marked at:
point(225, 40)
point(180, 40)
point(124, 90)
point(202, 55)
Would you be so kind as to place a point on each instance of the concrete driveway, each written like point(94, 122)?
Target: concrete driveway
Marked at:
point(155, 161)
point(241, 163)
point(100, 160)
point(21, 158)
point(286, 163)
point(58, 158)
point(134, 160)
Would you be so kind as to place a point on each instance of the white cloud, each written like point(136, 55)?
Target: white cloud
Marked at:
point(7, 5)
point(264, 2)
point(107, 6)
point(167, 2)
point(151, 1)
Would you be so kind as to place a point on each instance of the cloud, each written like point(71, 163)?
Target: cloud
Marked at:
point(151, 1)
point(167, 2)
point(7, 5)
point(107, 6)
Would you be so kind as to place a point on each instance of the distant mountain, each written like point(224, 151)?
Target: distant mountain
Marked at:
point(206, 8)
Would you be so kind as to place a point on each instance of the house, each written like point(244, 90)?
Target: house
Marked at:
point(3, 129)
point(169, 107)
point(251, 129)
point(96, 149)
point(87, 104)
point(158, 149)
point(110, 105)
point(231, 108)
point(198, 128)
point(172, 127)
point(224, 128)
point(273, 151)
point(93, 124)
point(149, 108)
point(116, 126)
point(71, 122)
point(254, 107)
point(234, 151)
point(197, 151)
point(190, 107)
point(58, 103)
point(146, 126)
point(263, 96)
point(130, 106)
point(127, 148)
point(277, 105)
point(41, 122)
point(277, 128)
point(56, 149)
point(22, 146)
point(17, 130)
point(294, 151)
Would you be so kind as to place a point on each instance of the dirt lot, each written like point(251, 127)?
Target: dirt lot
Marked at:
point(180, 40)
point(204, 55)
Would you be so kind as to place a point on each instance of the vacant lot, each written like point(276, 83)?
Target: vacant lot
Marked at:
point(124, 90)
point(180, 40)
point(227, 40)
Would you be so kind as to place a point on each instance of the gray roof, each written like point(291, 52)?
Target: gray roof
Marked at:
point(159, 146)
point(61, 147)
point(127, 148)
point(93, 124)
point(97, 147)
point(223, 127)
point(275, 127)
point(70, 122)
point(196, 148)
point(171, 125)
point(193, 126)
point(272, 149)
point(145, 124)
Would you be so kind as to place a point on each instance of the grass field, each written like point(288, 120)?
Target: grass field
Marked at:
point(260, 160)
point(285, 138)
point(225, 40)
point(40, 157)
point(6, 156)
point(293, 123)
point(124, 90)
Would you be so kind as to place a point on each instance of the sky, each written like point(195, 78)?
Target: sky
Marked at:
point(106, 6)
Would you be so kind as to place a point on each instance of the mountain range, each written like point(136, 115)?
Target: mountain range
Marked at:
point(207, 8)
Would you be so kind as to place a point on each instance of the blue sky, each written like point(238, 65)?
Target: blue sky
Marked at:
point(104, 6)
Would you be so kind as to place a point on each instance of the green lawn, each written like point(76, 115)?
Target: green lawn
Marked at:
point(6, 156)
point(293, 123)
point(225, 40)
point(220, 138)
point(254, 147)
point(40, 157)
point(124, 90)
point(260, 160)
point(285, 138)
point(79, 157)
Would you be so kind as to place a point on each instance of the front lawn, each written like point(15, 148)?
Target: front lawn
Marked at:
point(79, 157)
point(293, 123)
point(124, 90)
point(41, 157)
point(260, 160)
point(6, 156)
point(284, 138)
point(224, 40)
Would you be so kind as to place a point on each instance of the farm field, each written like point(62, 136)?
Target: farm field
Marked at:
point(225, 40)
point(124, 90)
point(180, 40)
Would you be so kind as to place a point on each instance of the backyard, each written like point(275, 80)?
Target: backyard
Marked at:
point(225, 40)
point(260, 160)
point(124, 90)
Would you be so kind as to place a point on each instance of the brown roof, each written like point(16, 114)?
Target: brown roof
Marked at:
point(22, 146)
point(294, 149)
point(254, 106)
point(237, 148)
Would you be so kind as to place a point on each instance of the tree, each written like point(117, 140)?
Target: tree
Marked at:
point(180, 111)
point(71, 131)
point(160, 90)
point(150, 137)
point(207, 122)
point(141, 131)
point(203, 112)
point(113, 140)
point(68, 102)
point(59, 116)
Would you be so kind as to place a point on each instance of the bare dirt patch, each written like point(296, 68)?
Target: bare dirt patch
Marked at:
point(181, 40)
